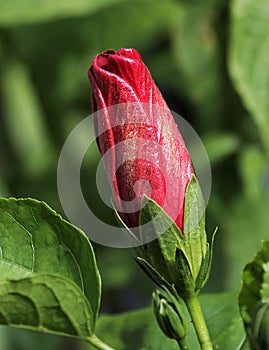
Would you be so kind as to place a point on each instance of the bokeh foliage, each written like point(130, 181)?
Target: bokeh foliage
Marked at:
point(210, 60)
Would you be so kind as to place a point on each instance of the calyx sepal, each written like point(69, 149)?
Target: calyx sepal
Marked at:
point(205, 269)
point(175, 258)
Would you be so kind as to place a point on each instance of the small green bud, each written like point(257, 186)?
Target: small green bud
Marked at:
point(170, 314)
point(260, 327)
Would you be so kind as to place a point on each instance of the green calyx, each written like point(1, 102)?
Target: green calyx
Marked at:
point(177, 259)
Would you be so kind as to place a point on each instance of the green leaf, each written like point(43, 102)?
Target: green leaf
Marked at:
point(223, 320)
point(4, 339)
point(24, 119)
point(46, 303)
point(201, 77)
point(30, 11)
point(220, 145)
point(18, 338)
point(248, 64)
point(132, 15)
point(35, 242)
point(221, 313)
point(252, 167)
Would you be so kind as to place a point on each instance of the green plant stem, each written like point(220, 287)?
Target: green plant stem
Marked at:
point(182, 344)
point(98, 344)
point(194, 308)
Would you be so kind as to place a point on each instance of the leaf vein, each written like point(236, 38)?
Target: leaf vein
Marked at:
point(29, 234)
point(74, 259)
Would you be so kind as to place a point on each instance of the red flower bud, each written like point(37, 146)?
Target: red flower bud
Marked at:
point(141, 146)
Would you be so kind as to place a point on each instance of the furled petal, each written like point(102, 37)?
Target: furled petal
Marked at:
point(141, 146)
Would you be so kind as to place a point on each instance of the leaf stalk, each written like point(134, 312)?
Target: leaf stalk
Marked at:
point(98, 343)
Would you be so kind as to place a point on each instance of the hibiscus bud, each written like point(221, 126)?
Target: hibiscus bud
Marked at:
point(142, 149)
point(170, 314)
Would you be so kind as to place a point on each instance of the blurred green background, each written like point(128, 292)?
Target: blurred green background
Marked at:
point(210, 61)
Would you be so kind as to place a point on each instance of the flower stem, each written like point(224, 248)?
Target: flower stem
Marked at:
point(194, 308)
point(98, 344)
point(182, 344)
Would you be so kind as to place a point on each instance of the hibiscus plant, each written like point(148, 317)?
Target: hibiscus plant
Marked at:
point(50, 281)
